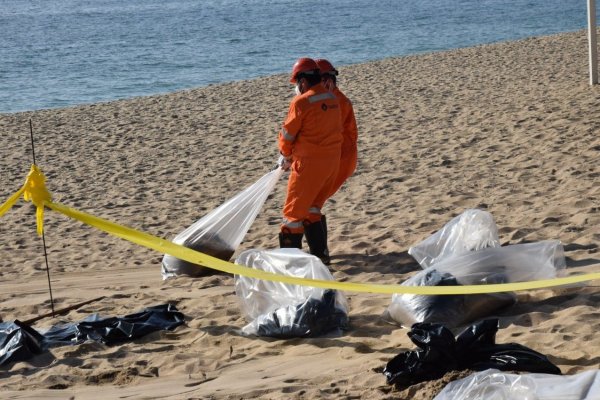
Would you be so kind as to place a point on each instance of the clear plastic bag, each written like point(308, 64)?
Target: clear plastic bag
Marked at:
point(284, 310)
point(495, 385)
point(470, 231)
point(220, 232)
point(508, 264)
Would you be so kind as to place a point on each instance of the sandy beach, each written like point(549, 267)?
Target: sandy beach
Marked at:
point(509, 128)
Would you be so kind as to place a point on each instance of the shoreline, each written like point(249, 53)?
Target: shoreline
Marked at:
point(150, 95)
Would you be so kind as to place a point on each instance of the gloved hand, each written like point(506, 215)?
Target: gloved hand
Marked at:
point(284, 162)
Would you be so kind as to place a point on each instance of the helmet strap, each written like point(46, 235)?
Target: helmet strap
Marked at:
point(329, 82)
point(301, 84)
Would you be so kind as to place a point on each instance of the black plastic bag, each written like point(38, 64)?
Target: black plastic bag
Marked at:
point(115, 329)
point(18, 342)
point(474, 348)
point(309, 319)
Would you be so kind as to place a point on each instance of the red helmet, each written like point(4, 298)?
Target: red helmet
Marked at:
point(325, 67)
point(303, 65)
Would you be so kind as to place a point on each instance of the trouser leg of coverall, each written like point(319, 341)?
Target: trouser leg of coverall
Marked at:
point(347, 167)
point(308, 189)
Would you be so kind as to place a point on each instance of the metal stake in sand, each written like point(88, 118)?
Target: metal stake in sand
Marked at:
point(592, 41)
point(43, 235)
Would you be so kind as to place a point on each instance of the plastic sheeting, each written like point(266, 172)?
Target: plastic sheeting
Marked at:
point(19, 342)
point(508, 264)
point(474, 348)
point(308, 319)
point(470, 231)
point(283, 310)
point(449, 310)
point(493, 384)
point(114, 330)
point(220, 232)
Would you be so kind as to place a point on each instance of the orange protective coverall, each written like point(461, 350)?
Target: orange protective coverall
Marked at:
point(312, 136)
point(349, 145)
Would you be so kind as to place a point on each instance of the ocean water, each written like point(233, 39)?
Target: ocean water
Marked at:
point(57, 53)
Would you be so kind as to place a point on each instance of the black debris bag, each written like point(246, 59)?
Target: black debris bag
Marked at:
point(114, 330)
point(309, 319)
point(19, 342)
point(474, 348)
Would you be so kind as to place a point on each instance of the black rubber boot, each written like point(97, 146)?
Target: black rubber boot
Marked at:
point(324, 223)
point(287, 240)
point(317, 241)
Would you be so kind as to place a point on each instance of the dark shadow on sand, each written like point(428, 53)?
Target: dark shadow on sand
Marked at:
point(390, 263)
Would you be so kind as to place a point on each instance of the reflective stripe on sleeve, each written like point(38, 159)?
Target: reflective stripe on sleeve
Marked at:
point(321, 96)
point(314, 210)
point(286, 136)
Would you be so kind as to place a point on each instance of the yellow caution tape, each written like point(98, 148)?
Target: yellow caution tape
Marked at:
point(10, 202)
point(33, 190)
point(40, 196)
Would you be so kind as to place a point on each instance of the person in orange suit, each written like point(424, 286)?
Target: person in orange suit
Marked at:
point(310, 143)
point(350, 131)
